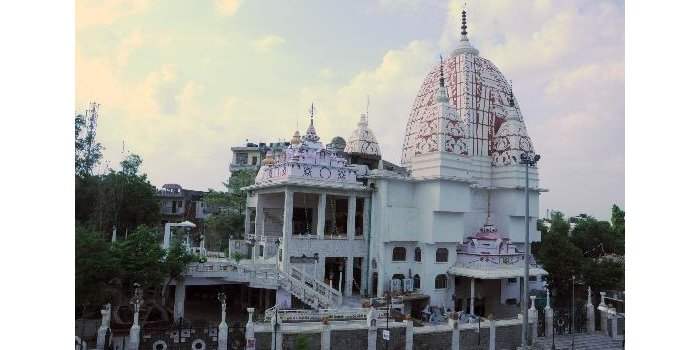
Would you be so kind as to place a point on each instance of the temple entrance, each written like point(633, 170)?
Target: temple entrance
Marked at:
point(334, 267)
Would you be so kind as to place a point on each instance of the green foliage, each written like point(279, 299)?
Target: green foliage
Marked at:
point(237, 256)
point(593, 253)
point(301, 342)
point(95, 265)
point(88, 151)
point(230, 220)
point(104, 269)
point(122, 198)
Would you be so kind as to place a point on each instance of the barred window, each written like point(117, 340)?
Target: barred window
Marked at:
point(440, 282)
point(398, 254)
point(441, 255)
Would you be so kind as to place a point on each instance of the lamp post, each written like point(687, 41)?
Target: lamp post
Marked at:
point(528, 159)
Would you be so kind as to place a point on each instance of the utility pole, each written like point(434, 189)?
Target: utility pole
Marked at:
point(528, 160)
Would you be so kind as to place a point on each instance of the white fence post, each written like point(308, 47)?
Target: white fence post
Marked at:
point(409, 334)
point(102, 331)
point(250, 331)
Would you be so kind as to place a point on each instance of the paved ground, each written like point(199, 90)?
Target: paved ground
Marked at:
point(597, 341)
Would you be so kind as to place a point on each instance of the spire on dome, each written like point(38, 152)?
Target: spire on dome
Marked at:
point(464, 23)
point(311, 135)
point(465, 47)
point(441, 94)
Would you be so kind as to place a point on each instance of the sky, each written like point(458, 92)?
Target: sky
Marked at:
point(181, 82)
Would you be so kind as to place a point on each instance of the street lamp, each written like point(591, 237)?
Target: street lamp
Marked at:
point(528, 159)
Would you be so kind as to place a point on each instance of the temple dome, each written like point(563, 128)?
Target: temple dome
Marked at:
point(476, 88)
point(362, 140)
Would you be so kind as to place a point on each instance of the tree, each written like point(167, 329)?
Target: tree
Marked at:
point(230, 219)
point(561, 259)
point(95, 266)
point(88, 151)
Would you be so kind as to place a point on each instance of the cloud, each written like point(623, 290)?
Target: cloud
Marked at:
point(268, 42)
point(91, 13)
point(227, 7)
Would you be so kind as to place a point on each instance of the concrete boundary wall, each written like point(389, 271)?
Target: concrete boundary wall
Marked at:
point(353, 335)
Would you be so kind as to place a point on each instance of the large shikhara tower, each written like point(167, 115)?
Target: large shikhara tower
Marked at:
point(479, 92)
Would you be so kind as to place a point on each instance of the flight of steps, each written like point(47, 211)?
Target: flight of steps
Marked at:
point(309, 290)
point(595, 341)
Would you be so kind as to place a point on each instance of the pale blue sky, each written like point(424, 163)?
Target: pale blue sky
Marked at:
point(180, 82)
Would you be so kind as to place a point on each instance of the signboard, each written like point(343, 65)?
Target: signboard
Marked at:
point(385, 334)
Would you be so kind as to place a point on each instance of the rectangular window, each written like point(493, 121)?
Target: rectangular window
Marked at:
point(532, 279)
point(512, 280)
point(241, 158)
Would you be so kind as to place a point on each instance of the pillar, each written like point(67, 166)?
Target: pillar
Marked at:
point(250, 331)
point(222, 337)
point(590, 314)
point(135, 332)
point(603, 309)
point(363, 275)
point(348, 276)
point(259, 218)
point(287, 227)
point(409, 334)
point(326, 337)
point(372, 337)
point(454, 324)
point(471, 296)
point(612, 318)
point(532, 317)
point(180, 289)
point(352, 206)
point(321, 216)
point(246, 229)
point(548, 319)
point(104, 326)
point(492, 333)
point(365, 217)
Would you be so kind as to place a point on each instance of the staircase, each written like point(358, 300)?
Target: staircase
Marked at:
point(596, 341)
point(309, 290)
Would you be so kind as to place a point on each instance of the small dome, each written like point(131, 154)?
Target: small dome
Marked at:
point(362, 139)
point(268, 159)
point(337, 143)
point(296, 139)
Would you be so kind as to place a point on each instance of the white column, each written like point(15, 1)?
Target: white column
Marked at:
point(471, 297)
point(104, 326)
point(380, 280)
point(548, 319)
point(532, 317)
point(250, 331)
point(492, 333)
point(259, 218)
point(135, 332)
point(326, 337)
point(590, 314)
point(409, 334)
point(612, 318)
point(222, 338)
point(321, 216)
point(114, 234)
point(352, 205)
point(454, 324)
point(603, 309)
point(363, 275)
point(180, 290)
point(365, 217)
point(372, 337)
point(287, 226)
point(247, 221)
point(348, 275)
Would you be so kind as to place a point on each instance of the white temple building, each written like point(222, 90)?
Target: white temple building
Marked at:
point(446, 228)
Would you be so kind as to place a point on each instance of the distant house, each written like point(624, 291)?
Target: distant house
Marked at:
point(250, 156)
point(178, 204)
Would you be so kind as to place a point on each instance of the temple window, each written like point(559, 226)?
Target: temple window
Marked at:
point(440, 282)
point(398, 254)
point(441, 255)
point(416, 281)
point(417, 255)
